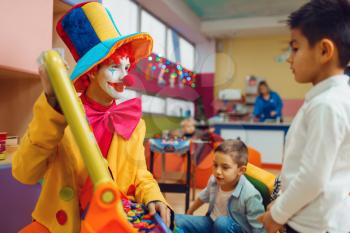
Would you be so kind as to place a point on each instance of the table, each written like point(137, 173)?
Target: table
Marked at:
point(181, 147)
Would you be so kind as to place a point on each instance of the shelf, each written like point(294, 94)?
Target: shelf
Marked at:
point(9, 73)
point(26, 32)
point(60, 7)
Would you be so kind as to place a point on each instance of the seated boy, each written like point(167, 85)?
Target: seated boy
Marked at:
point(234, 203)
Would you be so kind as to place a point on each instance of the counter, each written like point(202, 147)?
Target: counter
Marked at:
point(8, 156)
point(17, 201)
point(267, 138)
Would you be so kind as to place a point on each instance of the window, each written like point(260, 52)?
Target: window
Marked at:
point(156, 29)
point(180, 50)
point(173, 44)
point(125, 15)
point(186, 54)
point(153, 104)
point(167, 42)
point(179, 108)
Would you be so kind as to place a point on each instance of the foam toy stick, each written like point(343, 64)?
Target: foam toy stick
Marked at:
point(75, 116)
point(105, 212)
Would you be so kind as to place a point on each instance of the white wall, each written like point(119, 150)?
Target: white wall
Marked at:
point(205, 57)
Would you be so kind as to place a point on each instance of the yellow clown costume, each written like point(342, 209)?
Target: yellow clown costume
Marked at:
point(48, 150)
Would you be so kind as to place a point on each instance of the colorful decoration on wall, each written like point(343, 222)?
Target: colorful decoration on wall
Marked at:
point(161, 81)
point(166, 72)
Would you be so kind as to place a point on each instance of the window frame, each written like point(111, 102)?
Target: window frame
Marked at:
point(167, 27)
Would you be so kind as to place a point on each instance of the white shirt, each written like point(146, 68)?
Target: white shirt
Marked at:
point(221, 204)
point(316, 168)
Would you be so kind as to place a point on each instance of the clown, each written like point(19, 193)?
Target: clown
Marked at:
point(48, 150)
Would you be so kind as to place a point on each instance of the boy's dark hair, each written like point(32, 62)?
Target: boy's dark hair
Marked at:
point(236, 149)
point(319, 19)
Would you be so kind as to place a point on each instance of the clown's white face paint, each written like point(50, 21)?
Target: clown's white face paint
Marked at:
point(110, 78)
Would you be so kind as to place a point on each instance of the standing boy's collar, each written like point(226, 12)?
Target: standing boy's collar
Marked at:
point(335, 80)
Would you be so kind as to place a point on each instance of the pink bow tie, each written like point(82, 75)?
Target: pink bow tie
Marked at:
point(105, 121)
point(121, 119)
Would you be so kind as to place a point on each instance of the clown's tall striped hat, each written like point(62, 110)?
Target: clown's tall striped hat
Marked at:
point(91, 35)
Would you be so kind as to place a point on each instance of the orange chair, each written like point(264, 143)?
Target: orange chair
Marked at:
point(254, 157)
point(202, 171)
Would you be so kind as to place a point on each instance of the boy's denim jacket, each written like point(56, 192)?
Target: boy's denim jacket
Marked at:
point(244, 206)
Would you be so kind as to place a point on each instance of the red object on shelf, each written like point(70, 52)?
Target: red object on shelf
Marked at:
point(3, 136)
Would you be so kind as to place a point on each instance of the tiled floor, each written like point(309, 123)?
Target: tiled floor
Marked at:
point(177, 202)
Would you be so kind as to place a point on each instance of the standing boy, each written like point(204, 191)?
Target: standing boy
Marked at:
point(316, 167)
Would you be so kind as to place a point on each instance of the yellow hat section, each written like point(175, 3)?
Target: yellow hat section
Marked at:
point(100, 21)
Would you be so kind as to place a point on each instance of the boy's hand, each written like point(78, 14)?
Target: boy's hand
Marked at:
point(270, 205)
point(189, 212)
point(269, 224)
point(273, 113)
point(158, 206)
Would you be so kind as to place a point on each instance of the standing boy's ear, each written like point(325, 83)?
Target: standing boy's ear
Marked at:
point(327, 50)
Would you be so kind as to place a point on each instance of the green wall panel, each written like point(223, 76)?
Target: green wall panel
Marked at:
point(155, 124)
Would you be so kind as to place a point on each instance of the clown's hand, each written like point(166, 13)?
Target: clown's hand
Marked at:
point(164, 211)
point(49, 92)
point(45, 82)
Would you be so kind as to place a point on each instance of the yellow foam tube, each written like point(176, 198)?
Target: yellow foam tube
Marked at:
point(263, 176)
point(76, 118)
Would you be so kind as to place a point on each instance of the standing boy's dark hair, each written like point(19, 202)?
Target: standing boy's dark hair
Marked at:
point(319, 19)
point(236, 149)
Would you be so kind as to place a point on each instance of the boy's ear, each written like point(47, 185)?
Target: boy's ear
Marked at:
point(242, 169)
point(327, 50)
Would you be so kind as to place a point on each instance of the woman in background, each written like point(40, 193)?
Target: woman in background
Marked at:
point(268, 104)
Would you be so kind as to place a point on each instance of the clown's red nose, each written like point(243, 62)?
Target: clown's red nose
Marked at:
point(128, 80)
